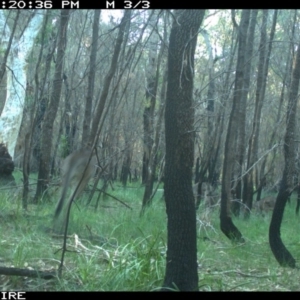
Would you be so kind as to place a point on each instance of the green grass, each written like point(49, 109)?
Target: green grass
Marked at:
point(114, 249)
point(251, 266)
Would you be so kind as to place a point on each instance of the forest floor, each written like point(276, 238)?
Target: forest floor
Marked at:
point(112, 248)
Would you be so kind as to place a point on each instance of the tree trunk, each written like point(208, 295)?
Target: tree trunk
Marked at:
point(286, 84)
point(11, 116)
point(42, 104)
point(262, 74)
point(9, 43)
point(47, 129)
point(33, 121)
point(227, 226)
point(181, 267)
point(153, 157)
point(125, 22)
point(126, 172)
point(91, 80)
point(151, 90)
point(241, 140)
point(282, 255)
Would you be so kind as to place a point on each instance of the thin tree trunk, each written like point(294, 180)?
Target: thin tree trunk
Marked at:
point(41, 107)
point(12, 34)
point(151, 90)
point(241, 141)
point(125, 22)
point(260, 94)
point(227, 226)
point(47, 129)
point(286, 83)
point(29, 135)
point(91, 79)
point(152, 163)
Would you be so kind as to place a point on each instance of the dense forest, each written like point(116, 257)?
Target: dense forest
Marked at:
point(197, 108)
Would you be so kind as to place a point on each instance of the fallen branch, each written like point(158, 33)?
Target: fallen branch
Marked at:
point(116, 199)
point(28, 273)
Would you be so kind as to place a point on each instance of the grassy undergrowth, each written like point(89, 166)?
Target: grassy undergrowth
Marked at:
point(112, 248)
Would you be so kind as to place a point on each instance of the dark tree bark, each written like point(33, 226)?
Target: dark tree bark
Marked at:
point(7, 167)
point(227, 226)
point(153, 157)
point(5, 57)
point(181, 268)
point(47, 129)
point(151, 91)
point(42, 94)
point(209, 164)
point(147, 199)
point(282, 255)
point(286, 85)
point(91, 80)
point(241, 140)
point(125, 171)
point(125, 22)
point(262, 74)
point(210, 161)
point(67, 122)
point(33, 121)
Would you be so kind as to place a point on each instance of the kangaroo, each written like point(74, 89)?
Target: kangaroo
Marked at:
point(206, 194)
point(77, 170)
point(265, 205)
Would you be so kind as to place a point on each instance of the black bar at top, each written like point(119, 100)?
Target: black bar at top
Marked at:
point(107, 4)
point(101, 4)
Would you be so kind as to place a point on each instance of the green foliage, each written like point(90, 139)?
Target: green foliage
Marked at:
point(251, 266)
point(113, 249)
point(48, 35)
point(2, 51)
point(63, 146)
